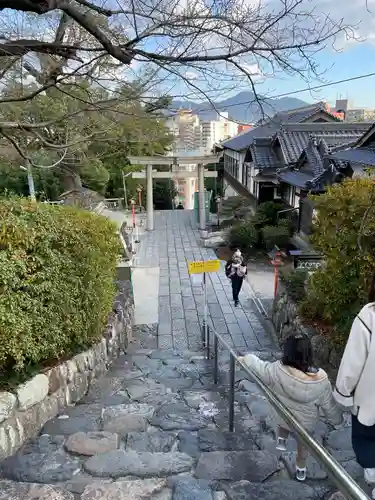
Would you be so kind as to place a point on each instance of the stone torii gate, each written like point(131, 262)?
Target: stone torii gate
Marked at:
point(173, 161)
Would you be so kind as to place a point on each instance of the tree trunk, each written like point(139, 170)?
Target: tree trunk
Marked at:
point(70, 178)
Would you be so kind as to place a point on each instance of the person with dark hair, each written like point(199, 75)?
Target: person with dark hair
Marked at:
point(301, 387)
point(236, 270)
point(354, 386)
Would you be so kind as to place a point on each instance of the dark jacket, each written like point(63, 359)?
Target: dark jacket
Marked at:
point(228, 267)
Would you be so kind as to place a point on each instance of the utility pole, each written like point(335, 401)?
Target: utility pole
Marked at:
point(30, 180)
point(124, 176)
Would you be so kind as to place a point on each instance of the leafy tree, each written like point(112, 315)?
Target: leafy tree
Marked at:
point(344, 234)
point(100, 140)
point(164, 193)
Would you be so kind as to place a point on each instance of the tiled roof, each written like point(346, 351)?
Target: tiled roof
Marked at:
point(270, 126)
point(315, 151)
point(245, 139)
point(294, 137)
point(364, 156)
point(295, 178)
point(367, 138)
point(299, 115)
point(263, 154)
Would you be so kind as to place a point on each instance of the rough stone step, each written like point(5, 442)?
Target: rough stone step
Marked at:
point(254, 466)
point(65, 425)
point(189, 488)
point(126, 418)
point(273, 490)
point(120, 463)
point(92, 443)
point(128, 490)
point(156, 441)
point(22, 491)
point(40, 467)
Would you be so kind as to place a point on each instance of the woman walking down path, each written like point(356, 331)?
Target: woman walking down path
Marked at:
point(355, 387)
point(236, 270)
point(302, 388)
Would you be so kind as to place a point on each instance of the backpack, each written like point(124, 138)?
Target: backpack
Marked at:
point(228, 269)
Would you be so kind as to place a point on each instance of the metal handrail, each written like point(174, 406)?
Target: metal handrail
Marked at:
point(344, 482)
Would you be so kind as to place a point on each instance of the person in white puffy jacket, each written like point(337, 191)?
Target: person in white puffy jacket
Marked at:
point(355, 388)
point(301, 387)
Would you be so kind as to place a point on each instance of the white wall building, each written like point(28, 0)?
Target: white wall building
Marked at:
point(215, 131)
point(185, 126)
point(192, 133)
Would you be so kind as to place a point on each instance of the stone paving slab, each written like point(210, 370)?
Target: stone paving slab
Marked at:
point(174, 242)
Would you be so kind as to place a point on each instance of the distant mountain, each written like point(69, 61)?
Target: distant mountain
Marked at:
point(241, 107)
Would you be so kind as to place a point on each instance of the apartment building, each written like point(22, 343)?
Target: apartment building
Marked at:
point(192, 132)
point(352, 114)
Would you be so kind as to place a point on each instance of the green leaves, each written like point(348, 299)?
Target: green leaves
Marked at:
point(345, 234)
point(243, 236)
point(275, 235)
point(57, 270)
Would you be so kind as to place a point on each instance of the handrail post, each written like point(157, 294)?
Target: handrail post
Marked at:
point(232, 373)
point(216, 361)
point(203, 334)
point(208, 342)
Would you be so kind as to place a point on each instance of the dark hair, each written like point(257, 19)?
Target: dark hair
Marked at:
point(298, 353)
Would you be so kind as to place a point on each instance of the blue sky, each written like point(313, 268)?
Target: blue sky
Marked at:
point(354, 59)
point(357, 59)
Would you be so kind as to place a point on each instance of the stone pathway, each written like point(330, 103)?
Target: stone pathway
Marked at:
point(174, 243)
point(155, 426)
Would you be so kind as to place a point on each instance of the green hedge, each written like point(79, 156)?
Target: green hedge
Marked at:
point(57, 270)
point(243, 236)
point(295, 283)
point(275, 235)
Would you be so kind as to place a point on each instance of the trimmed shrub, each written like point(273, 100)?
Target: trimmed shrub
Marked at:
point(266, 213)
point(57, 272)
point(233, 203)
point(295, 283)
point(243, 236)
point(287, 224)
point(242, 212)
point(275, 235)
point(345, 235)
point(224, 224)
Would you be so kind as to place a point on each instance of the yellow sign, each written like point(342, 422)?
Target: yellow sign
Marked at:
point(204, 266)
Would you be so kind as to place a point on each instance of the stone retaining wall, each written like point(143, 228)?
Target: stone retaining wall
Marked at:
point(287, 321)
point(24, 412)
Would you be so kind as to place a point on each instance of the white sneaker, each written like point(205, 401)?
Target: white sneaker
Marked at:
point(301, 474)
point(281, 444)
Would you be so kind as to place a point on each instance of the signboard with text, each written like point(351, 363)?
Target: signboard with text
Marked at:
point(204, 266)
point(308, 261)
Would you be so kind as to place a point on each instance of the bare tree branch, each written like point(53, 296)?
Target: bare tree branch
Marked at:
point(148, 46)
point(22, 47)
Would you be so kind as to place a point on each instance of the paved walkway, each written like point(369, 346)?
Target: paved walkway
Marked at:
point(155, 426)
point(174, 243)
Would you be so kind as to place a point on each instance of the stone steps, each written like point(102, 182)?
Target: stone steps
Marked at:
point(155, 427)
